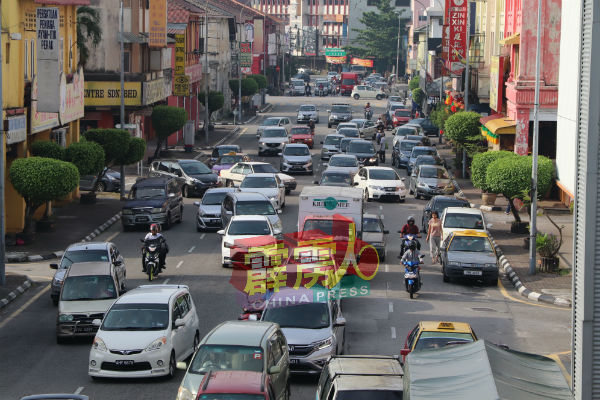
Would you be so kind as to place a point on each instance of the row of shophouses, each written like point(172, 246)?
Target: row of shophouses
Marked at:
point(502, 54)
point(90, 94)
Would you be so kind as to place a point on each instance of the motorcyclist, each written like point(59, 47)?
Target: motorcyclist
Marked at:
point(412, 255)
point(155, 234)
point(410, 228)
point(368, 111)
point(380, 123)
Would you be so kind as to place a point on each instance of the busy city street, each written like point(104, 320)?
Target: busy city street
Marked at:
point(376, 324)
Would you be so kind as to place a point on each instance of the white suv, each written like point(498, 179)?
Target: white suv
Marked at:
point(366, 92)
point(145, 333)
point(243, 227)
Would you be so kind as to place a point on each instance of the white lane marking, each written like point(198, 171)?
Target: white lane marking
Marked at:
point(391, 307)
point(387, 269)
point(166, 281)
point(202, 236)
point(179, 264)
point(111, 237)
point(191, 249)
point(79, 390)
point(393, 332)
point(381, 208)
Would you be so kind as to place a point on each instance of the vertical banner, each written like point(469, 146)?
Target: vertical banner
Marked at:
point(458, 33)
point(157, 36)
point(246, 57)
point(48, 59)
point(496, 82)
point(445, 46)
point(258, 46)
point(179, 54)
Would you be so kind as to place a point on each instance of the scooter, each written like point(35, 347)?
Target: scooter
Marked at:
point(412, 276)
point(405, 242)
point(368, 114)
point(151, 258)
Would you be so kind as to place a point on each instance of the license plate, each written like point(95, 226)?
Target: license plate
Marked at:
point(294, 361)
point(473, 272)
point(85, 329)
point(297, 167)
point(124, 362)
point(390, 189)
point(141, 219)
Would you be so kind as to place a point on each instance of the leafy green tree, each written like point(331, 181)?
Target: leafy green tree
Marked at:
point(135, 152)
point(215, 100)
point(480, 164)
point(418, 96)
point(379, 38)
point(88, 31)
point(414, 82)
point(463, 129)
point(47, 149)
point(511, 176)
point(249, 86)
point(261, 80)
point(87, 156)
point(40, 180)
point(166, 120)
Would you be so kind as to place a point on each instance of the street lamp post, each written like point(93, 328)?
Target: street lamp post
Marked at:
point(240, 73)
point(206, 113)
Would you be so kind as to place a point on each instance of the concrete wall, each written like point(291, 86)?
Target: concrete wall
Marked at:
point(106, 56)
point(568, 95)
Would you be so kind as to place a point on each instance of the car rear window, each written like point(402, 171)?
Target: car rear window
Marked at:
point(231, 396)
point(463, 221)
point(436, 340)
point(225, 357)
point(88, 287)
point(77, 256)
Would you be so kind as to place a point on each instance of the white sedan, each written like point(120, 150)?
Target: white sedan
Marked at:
point(145, 333)
point(243, 227)
point(268, 184)
point(380, 183)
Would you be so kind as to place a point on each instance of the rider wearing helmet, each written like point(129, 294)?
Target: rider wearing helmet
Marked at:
point(410, 228)
point(412, 254)
point(155, 234)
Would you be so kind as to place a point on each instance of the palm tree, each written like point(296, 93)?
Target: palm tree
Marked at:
point(88, 30)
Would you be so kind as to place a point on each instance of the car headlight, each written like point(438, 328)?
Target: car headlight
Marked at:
point(278, 226)
point(333, 116)
point(263, 144)
point(273, 198)
point(157, 344)
point(156, 210)
point(127, 211)
point(324, 343)
point(99, 344)
point(375, 187)
point(228, 245)
point(373, 159)
point(491, 265)
point(110, 177)
point(184, 394)
point(65, 318)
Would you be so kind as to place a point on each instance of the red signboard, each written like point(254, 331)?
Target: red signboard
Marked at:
point(362, 61)
point(457, 20)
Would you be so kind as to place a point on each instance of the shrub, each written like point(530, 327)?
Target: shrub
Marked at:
point(166, 120)
point(215, 100)
point(414, 82)
point(418, 96)
point(261, 80)
point(249, 87)
point(463, 127)
point(547, 244)
point(47, 149)
point(87, 156)
point(479, 166)
point(136, 151)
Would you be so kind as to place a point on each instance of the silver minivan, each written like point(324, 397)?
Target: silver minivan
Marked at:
point(250, 203)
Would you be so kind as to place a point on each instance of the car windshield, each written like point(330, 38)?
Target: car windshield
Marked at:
point(307, 108)
point(296, 151)
point(259, 207)
point(77, 256)
point(304, 316)
point(264, 169)
point(344, 144)
point(359, 124)
point(224, 357)
point(463, 221)
point(371, 225)
point(300, 131)
point(332, 140)
point(384, 175)
point(271, 122)
point(369, 394)
point(271, 133)
point(438, 173)
point(428, 160)
point(340, 109)
point(195, 167)
point(298, 83)
point(259, 182)
point(395, 98)
point(405, 131)
point(228, 149)
point(230, 159)
point(361, 147)
point(213, 199)
point(88, 287)
point(348, 81)
point(349, 132)
point(440, 206)
point(336, 178)
point(471, 244)
point(436, 340)
point(343, 162)
point(421, 152)
point(147, 192)
point(396, 106)
point(402, 113)
point(230, 396)
point(249, 228)
point(136, 317)
point(407, 146)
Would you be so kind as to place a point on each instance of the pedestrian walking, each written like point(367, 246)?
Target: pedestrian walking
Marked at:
point(434, 236)
point(508, 208)
point(382, 147)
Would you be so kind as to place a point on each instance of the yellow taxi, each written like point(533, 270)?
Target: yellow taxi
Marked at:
point(469, 254)
point(436, 334)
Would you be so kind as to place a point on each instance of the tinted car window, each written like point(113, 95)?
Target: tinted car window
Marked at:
point(259, 182)
point(195, 167)
point(433, 173)
point(384, 174)
point(147, 192)
point(296, 151)
point(371, 225)
point(335, 178)
point(223, 357)
point(463, 221)
point(402, 113)
point(341, 109)
point(88, 287)
point(406, 146)
point(307, 108)
point(265, 168)
point(136, 317)
point(420, 152)
point(271, 122)
point(227, 149)
point(77, 256)
point(254, 208)
point(470, 244)
point(349, 132)
point(361, 147)
point(343, 162)
point(249, 228)
point(306, 316)
point(332, 140)
point(369, 394)
point(270, 133)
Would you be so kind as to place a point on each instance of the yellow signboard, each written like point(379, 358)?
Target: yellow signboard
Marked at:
point(179, 54)
point(109, 93)
point(157, 36)
point(181, 85)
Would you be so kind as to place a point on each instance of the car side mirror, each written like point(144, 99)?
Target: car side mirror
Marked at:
point(182, 365)
point(279, 211)
point(178, 323)
point(355, 184)
point(340, 321)
point(404, 352)
point(402, 179)
point(197, 203)
point(328, 111)
point(221, 232)
point(385, 231)
point(275, 369)
point(54, 266)
point(97, 322)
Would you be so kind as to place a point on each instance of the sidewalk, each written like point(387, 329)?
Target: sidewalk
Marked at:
point(547, 287)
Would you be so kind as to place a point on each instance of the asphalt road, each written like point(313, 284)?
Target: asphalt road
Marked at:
point(32, 362)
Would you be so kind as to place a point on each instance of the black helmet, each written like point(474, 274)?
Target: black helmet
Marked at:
point(411, 218)
point(412, 246)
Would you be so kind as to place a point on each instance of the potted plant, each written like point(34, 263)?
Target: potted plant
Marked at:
point(479, 167)
point(547, 246)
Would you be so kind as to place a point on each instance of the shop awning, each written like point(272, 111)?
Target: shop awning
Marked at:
point(486, 119)
point(494, 125)
point(512, 39)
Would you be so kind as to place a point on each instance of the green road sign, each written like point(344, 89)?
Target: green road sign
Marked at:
point(335, 52)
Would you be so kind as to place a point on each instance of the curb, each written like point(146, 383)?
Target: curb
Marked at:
point(523, 291)
point(15, 293)
point(21, 258)
point(268, 107)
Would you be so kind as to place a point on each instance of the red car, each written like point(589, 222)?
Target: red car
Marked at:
point(401, 116)
point(236, 384)
point(302, 134)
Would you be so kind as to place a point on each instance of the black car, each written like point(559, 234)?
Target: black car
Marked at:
point(428, 126)
point(193, 176)
point(364, 152)
point(110, 181)
point(155, 200)
point(339, 113)
point(439, 204)
point(218, 151)
point(401, 152)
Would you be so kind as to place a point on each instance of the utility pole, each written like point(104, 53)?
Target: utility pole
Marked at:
point(398, 51)
point(534, 151)
point(2, 203)
point(206, 116)
point(122, 171)
point(467, 83)
point(240, 71)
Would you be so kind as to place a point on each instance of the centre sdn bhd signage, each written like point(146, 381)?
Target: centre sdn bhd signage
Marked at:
point(109, 93)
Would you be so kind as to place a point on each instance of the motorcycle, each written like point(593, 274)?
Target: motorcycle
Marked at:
point(412, 276)
point(151, 258)
point(368, 114)
point(406, 241)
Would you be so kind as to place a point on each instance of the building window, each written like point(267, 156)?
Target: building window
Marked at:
point(516, 66)
point(422, 17)
point(26, 53)
point(127, 61)
point(7, 53)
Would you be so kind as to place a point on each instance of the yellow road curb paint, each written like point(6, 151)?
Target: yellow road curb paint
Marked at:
point(508, 296)
point(24, 306)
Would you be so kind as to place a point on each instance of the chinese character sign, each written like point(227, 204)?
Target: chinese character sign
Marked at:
point(158, 23)
point(180, 54)
point(457, 20)
point(246, 57)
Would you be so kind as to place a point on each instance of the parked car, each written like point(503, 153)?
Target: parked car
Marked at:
point(364, 152)
point(243, 227)
point(273, 122)
point(340, 112)
point(193, 176)
point(89, 290)
point(430, 180)
point(272, 140)
point(314, 330)
point(428, 126)
point(380, 183)
point(439, 204)
point(296, 158)
point(236, 385)
point(85, 252)
point(375, 234)
point(144, 333)
point(261, 348)
point(344, 162)
point(302, 134)
point(267, 184)
point(366, 127)
point(469, 254)
point(208, 212)
point(220, 150)
point(335, 177)
point(401, 152)
point(297, 87)
point(366, 92)
point(226, 161)
point(419, 151)
point(249, 203)
point(110, 181)
point(436, 334)
point(233, 176)
point(306, 113)
point(460, 219)
point(153, 200)
point(330, 145)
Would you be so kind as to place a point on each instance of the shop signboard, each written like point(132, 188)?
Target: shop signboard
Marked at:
point(157, 36)
point(109, 93)
point(181, 85)
point(179, 54)
point(246, 57)
point(48, 58)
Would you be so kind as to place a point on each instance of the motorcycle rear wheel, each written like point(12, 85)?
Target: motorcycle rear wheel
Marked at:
point(411, 288)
